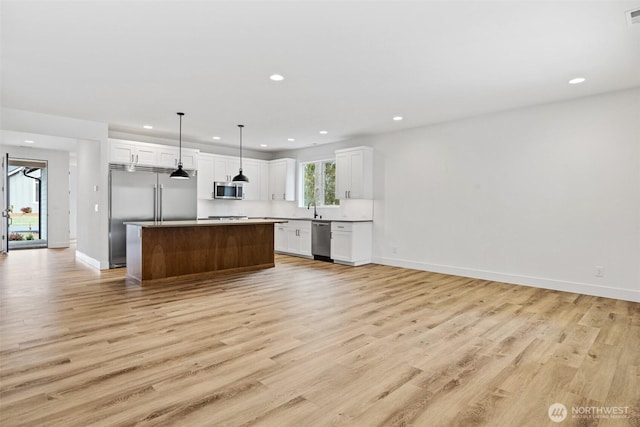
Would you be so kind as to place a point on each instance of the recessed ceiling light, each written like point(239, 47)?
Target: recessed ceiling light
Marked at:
point(323, 132)
point(276, 77)
point(28, 141)
point(398, 118)
point(216, 138)
point(577, 80)
point(147, 127)
point(290, 139)
point(263, 145)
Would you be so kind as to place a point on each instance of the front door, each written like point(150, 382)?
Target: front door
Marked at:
point(4, 203)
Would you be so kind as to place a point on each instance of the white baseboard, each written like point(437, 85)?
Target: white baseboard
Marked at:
point(90, 261)
point(538, 282)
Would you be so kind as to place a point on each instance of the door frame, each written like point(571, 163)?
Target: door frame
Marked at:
point(4, 203)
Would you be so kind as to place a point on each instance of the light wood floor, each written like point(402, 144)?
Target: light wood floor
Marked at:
point(305, 344)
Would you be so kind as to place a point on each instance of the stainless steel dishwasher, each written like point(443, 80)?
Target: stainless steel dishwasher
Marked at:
point(321, 240)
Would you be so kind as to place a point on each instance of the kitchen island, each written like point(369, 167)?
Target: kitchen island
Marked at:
point(159, 251)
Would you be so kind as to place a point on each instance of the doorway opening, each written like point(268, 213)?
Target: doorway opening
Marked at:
point(27, 225)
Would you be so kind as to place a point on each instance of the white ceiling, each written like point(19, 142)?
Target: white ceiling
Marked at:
point(349, 66)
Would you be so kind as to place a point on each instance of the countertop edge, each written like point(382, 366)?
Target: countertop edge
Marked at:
point(201, 223)
point(313, 219)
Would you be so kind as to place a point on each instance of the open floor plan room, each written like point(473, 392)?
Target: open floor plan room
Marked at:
point(306, 343)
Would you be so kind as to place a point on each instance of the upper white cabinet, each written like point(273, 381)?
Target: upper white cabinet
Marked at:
point(145, 154)
point(170, 156)
point(205, 175)
point(282, 179)
point(129, 152)
point(354, 173)
point(258, 173)
point(225, 168)
point(214, 167)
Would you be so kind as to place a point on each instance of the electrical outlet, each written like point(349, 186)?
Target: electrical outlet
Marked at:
point(599, 271)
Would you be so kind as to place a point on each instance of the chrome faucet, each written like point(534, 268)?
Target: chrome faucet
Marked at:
point(315, 211)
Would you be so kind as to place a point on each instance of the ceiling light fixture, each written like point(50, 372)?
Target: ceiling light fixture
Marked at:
point(263, 145)
point(180, 173)
point(147, 127)
point(323, 132)
point(398, 118)
point(577, 80)
point(276, 77)
point(290, 139)
point(216, 138)
point(240, 177)
point(28, 141)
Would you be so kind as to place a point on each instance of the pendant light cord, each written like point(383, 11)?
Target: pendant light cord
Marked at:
point(180, 139)
point(240, 126)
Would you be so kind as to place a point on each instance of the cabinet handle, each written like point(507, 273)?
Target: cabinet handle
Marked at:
point(349, 193)
point(136, 158)
point(273, 196)
point(132, 158)
point(284, 196)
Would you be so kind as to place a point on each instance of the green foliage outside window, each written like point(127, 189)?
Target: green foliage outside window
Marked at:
point(319, 183)
point(309, 183)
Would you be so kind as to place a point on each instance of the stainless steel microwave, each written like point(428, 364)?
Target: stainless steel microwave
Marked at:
point(227, 190)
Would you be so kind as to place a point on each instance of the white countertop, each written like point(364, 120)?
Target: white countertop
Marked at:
point(315, 219)
point(202, 222)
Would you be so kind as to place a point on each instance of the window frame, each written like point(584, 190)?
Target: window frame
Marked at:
point(319, 172)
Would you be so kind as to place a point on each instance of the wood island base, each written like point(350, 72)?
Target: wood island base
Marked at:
point(162, 252)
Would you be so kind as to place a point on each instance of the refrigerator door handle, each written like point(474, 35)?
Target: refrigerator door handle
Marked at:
point(160, 202)
point(155, 202)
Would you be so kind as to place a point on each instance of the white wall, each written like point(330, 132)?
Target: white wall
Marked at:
point(92, 178)
point(537, 196)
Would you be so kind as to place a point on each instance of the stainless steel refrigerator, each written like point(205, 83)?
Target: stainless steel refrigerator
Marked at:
point(145, 195)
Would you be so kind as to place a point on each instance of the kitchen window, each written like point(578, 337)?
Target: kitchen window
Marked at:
point(318, 183)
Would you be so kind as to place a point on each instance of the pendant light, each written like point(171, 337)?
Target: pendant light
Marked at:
point(240, 177)
point(180, 173)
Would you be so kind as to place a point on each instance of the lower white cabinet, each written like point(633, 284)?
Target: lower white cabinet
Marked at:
point(351, 242)
point(293, 237)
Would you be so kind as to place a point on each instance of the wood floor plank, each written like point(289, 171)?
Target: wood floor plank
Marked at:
point(306, 343)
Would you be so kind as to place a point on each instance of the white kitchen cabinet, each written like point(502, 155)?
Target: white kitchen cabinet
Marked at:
point(131, 152)
point(189, 159)
point(213, 167)
point(170, 156)
point(258, 173)
point(282, 178)
point(281, 243)
point(225, 168)
point(354, 173)
point(293, 237)
point(145, 154)
point(205, 176)
point(351, 242)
